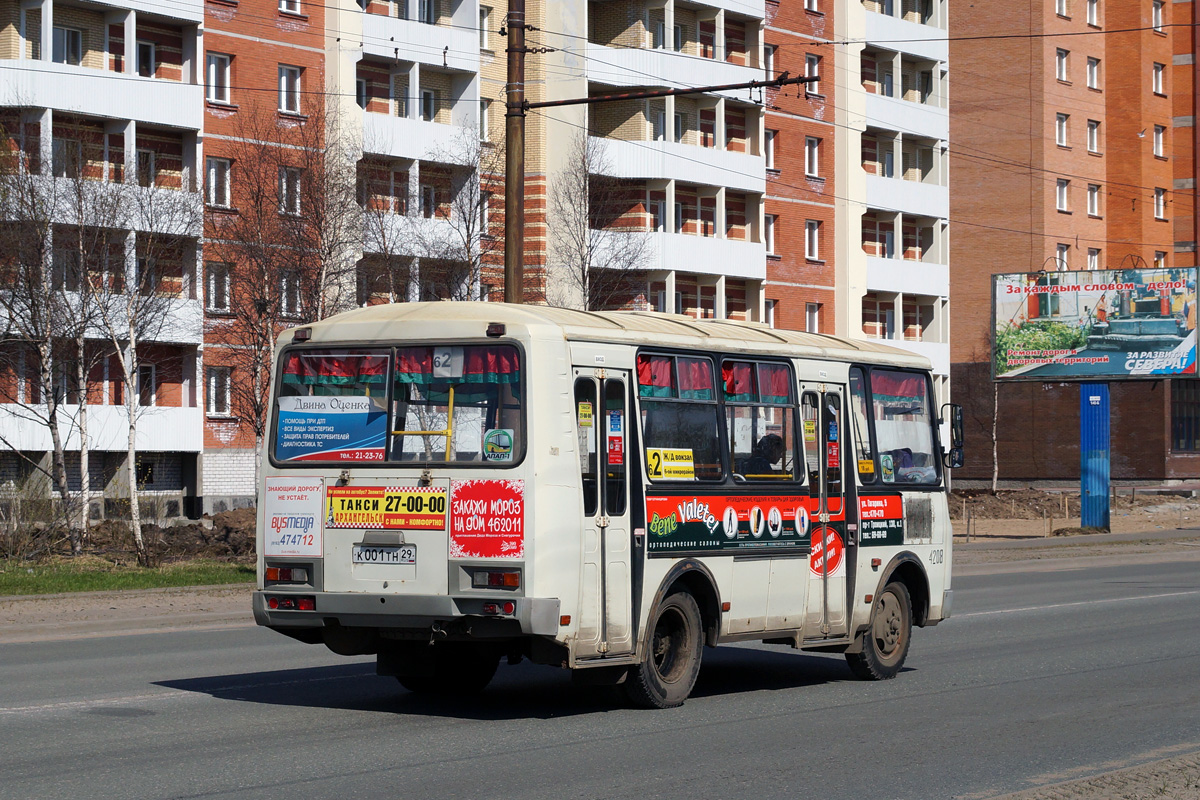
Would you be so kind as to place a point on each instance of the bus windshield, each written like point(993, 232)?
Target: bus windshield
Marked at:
point(456, 404)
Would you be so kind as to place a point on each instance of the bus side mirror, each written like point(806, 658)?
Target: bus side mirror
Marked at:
point(954, 457)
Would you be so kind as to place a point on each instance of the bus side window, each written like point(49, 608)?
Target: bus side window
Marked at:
point(586, 421)
point(860, 416)
point(810, 413)
point(614, 437)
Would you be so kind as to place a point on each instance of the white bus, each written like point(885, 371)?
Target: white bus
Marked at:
point(449, 484)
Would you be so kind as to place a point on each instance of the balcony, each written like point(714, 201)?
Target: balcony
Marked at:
point(707, 255)
point(392, 39)
point(925, 41)
point(907, 277)
point(400, 235)
point(621, 66)
point(105, 94)
point(160, 429)
point(401, 137)
point(918, 119)
point(656, 160)
point(909, 197)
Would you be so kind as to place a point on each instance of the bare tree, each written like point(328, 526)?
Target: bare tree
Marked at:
point(290, 239)
point(599, 245)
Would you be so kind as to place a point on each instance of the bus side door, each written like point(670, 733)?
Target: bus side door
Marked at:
point(602, 430)
point(824, 447)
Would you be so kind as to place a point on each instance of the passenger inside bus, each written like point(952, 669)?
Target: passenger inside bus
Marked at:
point(767, 459)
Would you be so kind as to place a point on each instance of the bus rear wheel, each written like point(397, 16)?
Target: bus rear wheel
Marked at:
point(885, 642)
point(668, 670)
point(457, 669)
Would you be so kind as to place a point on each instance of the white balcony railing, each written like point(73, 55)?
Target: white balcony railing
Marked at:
point(649, 160)
point(910, 197)
point(707, 255)
point(633, 66)
point(439, 46)
point(102, 93)
point(401, 137)
point(909, 117)
point(924, 41)
point(909, 277)
point(159, 429)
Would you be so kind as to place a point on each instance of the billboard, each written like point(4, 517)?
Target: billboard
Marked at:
point(1094, 326)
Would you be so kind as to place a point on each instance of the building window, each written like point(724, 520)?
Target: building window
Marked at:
point(428, 104)
point(1093, 259)
point(147, 64)
point(1156, 15)
point(427, 12)
point(1093, 73)
point(1093, 199)
point(679, 220)
point(1185, 415)
point(1093, 136)
point(769, 61)
point(360, 92)
point(147, 168)
point(678, 38)
point(217, 390)
point(1060, 8)
point(1062, 195)
point(1156, 78)
point(1160, 203)
point(485, 134)
point(67, 46)
point(217, 87)
point(147, 390)
point(66, 158)
point(217, 184)
point(812, 69)
point(290, 6)
point(485, 15)
point(289, 190)
point(1060, 64)
point(1159, 134)
point(769, 148)
point(1061, 256)
point(1093, 12)
point(485, 213)
point(658, 215)
point(812, 317)
point(812, 240)
point(289, 294)
point(1060, 129)
point(289, 89)
point(659, 131)
point(216, 286)
point(812, 5)
point(428, 201)
point(680, 126)
point(812, 156)
point(769, 223)
point(1160, 259)
point(660, 32)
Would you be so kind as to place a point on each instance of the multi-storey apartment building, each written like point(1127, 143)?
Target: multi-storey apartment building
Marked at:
point(821, 207)
point(107, 94)
point(1078, 157)
point(893, 155)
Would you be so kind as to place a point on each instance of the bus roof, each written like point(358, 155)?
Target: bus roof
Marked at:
point(405, 321)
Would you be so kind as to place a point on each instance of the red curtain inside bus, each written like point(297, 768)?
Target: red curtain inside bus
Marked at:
point(898, 388)
point(480, 364)
point(774, 381)
point(334, 370)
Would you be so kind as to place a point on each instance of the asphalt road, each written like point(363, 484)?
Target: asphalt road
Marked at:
point(1040, 677)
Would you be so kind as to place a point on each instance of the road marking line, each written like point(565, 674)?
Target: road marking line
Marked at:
point(1069, 605)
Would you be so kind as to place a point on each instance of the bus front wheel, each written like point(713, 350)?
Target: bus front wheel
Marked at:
point(668, 670)
point(885, 642)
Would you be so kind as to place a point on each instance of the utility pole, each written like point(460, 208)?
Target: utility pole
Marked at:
point(514, 128)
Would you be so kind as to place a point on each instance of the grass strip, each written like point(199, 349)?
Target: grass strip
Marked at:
point(96, 575)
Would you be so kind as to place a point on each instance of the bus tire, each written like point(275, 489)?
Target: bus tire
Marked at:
point(457, 670)
point(886, 639)
point(668, 670)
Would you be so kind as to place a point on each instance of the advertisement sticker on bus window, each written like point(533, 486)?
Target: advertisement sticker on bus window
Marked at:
point(832, 459)
point(292, 516)
point(888, 466)
point(331, 428)
point(881, 520)
point(386, 507)
point(833, 432)
point(616, 451)
point(487, 519)
point(614, 422)
point(585, 414)
point(670, 464)
point(498, 445)
point(810, 430)
point(866, 466)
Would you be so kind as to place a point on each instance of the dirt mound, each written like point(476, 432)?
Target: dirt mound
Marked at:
point(229, 537)
point(1035, 504)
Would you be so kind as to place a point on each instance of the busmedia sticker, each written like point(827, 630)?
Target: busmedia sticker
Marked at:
point(292, 517)
point(386, 507)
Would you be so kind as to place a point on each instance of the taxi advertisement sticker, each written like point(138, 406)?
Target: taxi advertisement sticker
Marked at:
point(386, 507)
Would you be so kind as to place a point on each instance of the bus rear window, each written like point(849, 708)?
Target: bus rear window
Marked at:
point(332, 406)
point(457, 404)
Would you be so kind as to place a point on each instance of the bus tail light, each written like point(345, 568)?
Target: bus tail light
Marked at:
point(287, 574)
point(496, 579)
point(507, 607)
point(291, 603)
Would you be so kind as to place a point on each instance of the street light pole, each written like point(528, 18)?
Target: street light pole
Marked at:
point(514, 157)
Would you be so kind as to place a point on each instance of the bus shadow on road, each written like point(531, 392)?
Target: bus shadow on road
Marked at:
point(524, 691)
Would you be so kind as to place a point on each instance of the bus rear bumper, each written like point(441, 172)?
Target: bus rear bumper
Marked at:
point(538, 616)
